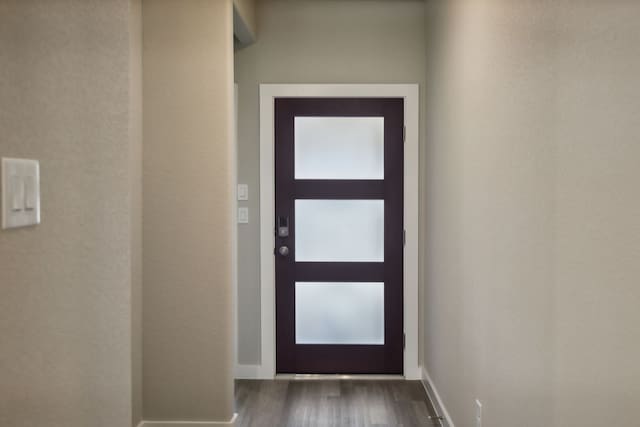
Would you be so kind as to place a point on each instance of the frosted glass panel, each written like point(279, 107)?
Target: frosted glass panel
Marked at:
point(340, 230)
point(339, 147)
point(339, 313)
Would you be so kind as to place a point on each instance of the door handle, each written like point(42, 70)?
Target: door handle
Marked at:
point(283, 250)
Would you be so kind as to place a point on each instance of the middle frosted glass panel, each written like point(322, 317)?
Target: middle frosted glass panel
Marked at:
point(339, 147)
point(339, 230)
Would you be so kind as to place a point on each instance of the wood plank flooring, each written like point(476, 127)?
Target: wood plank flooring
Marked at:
point(332, 403)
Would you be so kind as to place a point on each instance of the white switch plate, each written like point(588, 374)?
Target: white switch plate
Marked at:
point(478, 413)
point(243, 192)
point(243, 215)
point(20, 192)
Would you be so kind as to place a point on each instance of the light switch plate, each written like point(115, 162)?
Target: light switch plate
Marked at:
point(20, 192)
point(243, 192)
point(243, 215)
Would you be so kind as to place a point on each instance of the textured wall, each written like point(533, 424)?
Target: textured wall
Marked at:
point(532, 228)
point(65, 288)
point(247, 9)
point(135, 158)
point(188, 194)
point(312, 42)
point(598, 215)
point(489, 185)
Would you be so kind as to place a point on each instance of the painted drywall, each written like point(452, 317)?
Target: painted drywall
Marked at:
point(187, 228)
point(135, 182)
point(531, 285)
point(247, 10)
point(489, 228)
point(311, 42)
point(598, 215)
point(66, 284)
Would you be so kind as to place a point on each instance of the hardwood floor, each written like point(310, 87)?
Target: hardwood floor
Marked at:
point(332, 403)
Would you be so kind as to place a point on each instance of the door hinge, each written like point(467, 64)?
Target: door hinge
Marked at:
point(404, 134)
point(404, 341)
point(404, 238)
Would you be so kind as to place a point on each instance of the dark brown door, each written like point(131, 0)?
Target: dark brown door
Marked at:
point(339, 235)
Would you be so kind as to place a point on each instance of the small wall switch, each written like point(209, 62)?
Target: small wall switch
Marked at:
point(243, 215)
point(20, 192)
point(16, 193)
point(30, 193)
point(243, 192)
point(478, 413)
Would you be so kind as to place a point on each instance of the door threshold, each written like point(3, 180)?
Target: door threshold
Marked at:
point(333, 377)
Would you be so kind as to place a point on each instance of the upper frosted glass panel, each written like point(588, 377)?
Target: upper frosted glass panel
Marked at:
point(339, 147)
point(340, 313)
point(339, 230)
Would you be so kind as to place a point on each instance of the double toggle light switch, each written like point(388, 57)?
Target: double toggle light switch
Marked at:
point(20, 192)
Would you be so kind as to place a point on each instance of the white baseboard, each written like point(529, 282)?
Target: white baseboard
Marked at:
point(231, 422)
point(433, 394)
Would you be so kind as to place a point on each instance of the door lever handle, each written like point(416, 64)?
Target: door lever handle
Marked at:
point(283, 250)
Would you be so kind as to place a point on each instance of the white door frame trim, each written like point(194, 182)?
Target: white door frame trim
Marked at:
point(410, 93)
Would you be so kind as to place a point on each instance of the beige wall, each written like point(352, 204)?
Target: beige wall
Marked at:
point(532, 235)
point(597, 306)
point(135, 158)
point(187, 237)
point(65, 288)
point(312, 42)
point(489, 185)
point(247, 10)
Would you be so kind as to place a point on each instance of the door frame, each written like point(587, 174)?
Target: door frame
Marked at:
point(268, 92)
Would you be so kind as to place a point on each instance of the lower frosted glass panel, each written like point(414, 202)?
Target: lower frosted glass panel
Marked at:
point(340, 313)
